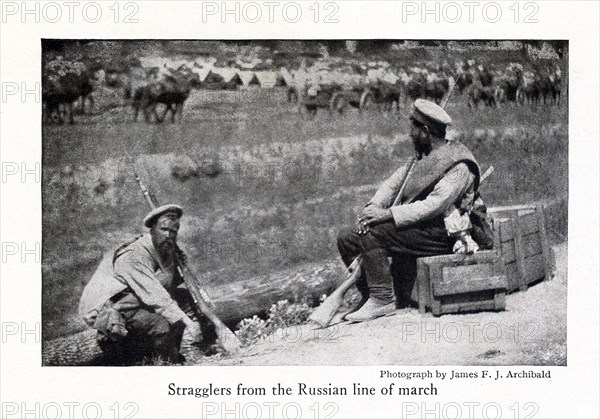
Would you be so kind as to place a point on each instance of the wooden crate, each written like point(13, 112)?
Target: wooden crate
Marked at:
point(523, 244)
point(461, 283)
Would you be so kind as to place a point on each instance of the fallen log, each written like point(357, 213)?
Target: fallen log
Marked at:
point(78, 349)
point(233, 302)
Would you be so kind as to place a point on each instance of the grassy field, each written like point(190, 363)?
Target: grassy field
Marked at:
point(264, 187)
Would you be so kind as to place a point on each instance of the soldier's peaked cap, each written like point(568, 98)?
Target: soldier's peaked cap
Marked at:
point(156, 213)
point(428, 113)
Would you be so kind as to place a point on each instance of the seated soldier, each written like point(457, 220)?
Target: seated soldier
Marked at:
point(419, 214)
point(136, 298)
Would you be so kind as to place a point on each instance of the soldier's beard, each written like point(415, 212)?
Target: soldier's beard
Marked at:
point(422, 145)
point(166, 249)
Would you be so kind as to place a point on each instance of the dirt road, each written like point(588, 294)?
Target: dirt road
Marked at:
point(532, 331)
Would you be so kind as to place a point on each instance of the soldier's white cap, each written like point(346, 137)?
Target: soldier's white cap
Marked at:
point(156, 213)
point(430, 114)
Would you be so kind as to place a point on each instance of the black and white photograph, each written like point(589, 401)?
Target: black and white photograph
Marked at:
point(299, 209)
point(316, 202)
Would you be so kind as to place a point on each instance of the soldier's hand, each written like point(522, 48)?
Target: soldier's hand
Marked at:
point(192, 331)
point(372, 215)
point(361, 228)
point(465, 244)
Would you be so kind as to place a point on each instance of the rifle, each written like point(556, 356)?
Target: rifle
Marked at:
point(202, 302)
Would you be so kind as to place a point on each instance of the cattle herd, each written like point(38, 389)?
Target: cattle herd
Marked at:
point(64, 82)
point(163, 87)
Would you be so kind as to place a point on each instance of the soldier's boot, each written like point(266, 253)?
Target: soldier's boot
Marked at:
point(189, 347)
point(372, 309)
point(379, 283)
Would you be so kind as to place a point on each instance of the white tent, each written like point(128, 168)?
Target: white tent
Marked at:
point(228, 77)
point(269, 79)
point(248, 78)
point(287, 76)
point(227, 73)
point(202, 72)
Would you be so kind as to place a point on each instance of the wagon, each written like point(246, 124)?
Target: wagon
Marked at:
point(336, 98)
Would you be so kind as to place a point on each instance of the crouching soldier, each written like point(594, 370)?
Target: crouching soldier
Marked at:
point(136, 298)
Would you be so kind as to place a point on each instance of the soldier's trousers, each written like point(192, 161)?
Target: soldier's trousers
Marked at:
point(150, 333)
point(427, 238)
